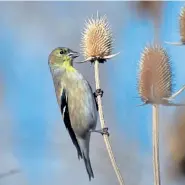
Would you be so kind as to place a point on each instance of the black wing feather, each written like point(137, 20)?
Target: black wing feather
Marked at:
point(66, 118)
point(94, 96)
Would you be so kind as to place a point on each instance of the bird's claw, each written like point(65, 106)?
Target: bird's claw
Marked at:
point(98, 92)
point(98, 58)
point(105, 131)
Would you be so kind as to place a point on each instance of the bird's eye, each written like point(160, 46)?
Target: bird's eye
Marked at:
point(61, 52)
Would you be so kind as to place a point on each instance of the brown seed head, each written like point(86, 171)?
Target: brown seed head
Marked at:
point(97, 38)
point(148, 9)
point(155, 76)
point(182, 24)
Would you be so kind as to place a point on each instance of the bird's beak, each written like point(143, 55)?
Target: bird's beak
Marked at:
point(74, 54)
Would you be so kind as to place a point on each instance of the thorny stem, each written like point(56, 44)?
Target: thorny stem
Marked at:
point(102, 122)
point(155, 146)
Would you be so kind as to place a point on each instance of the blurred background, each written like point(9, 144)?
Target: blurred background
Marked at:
point(34, 145)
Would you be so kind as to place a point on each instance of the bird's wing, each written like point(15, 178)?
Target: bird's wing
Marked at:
point(93, 95)
point(66, 119)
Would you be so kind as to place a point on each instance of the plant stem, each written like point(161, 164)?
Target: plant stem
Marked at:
point(102, 122)
point(155, 134)
point(156, 31)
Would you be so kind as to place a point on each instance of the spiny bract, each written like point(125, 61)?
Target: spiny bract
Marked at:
point(97, 38)
point(155, 76)
point(182, 24)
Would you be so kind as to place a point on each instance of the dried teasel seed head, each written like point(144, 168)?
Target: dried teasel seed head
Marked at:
point(150, 10)
point(97, 38)
point(182, 29)
point(147, 9)
point(155, 75)
point(182, 24)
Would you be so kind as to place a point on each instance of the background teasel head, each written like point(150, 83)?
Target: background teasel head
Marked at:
point(148, 8)
point(97, 39)
point(181, 29)
point(155, 75)
point(182, 24)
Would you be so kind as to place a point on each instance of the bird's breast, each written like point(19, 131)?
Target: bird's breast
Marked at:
point(82, 107)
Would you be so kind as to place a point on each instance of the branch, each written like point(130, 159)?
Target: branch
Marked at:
point(155, 145)
point(175, 43)
point(102, 122)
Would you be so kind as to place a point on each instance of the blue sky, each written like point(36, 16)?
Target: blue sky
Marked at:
point(29, 90)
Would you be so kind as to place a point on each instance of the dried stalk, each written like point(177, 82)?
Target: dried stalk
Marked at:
point(155, 145)
point(102, 122)
point(155, 83)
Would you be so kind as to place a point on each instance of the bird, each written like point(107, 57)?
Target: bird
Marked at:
point(76, 101)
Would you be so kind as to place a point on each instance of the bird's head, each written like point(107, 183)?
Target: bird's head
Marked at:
point(62, 56)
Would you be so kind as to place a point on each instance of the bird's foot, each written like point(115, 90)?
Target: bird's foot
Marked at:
point(103, 131)
point(98, 92)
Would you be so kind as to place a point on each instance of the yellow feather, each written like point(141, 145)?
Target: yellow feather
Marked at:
point(68, 67)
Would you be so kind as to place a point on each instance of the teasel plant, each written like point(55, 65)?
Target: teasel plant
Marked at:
point(181, 29)
point(97, 46)
point(151, 10)
point(155, 87)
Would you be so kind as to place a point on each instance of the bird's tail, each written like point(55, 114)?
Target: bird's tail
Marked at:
point(88, 166)
point(84, 145)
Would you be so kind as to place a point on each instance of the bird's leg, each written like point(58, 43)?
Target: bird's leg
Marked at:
point(102, 131)
point(95, 101)
point(98, 92)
